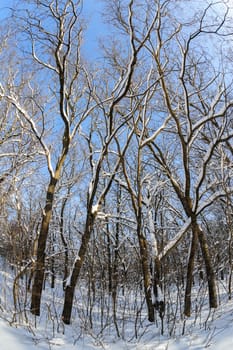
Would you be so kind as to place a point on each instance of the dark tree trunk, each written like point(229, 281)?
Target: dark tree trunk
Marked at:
point(70, 289)
point(159, 304)
point(64, 242)
point(109, 254)
point(146, 276)
point(115, 263)
point(52, 262)
point(189, 277)
point(213, 300)
point(42, 239)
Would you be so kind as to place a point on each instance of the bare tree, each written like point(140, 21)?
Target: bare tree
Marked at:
point(197, 114)
point(115, 127)
point(55, 47)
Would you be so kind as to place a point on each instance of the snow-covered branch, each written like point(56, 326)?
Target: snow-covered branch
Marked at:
point(175, 240)
point(23, 112)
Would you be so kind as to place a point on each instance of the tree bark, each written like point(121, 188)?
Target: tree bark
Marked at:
point(189, 278)
point(40, 262)
point(213, 300)
point(159, 303)
point(64, 242)
point(115, 263)
point(70, 289)
point(146, 276)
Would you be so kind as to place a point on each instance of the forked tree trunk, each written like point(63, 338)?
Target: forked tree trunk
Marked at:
point(70, 288)
point(199, 235)
point(189, 278)
point(40, 262)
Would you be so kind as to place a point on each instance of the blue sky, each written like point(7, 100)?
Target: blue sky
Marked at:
point(96, 28)
point(91, 10)
point(95, 25)
point(4, 8)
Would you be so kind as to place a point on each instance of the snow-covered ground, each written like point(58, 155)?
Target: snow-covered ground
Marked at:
point(218, 335)
point(212, 330)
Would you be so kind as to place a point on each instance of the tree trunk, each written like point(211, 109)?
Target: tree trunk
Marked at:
point(115, 263)
point(146, 276)
point(213, 301)
point(157, 285)
point(64, 242)
point(109, 258)
point(189, 278)
point(40, 262)
point(70, 289)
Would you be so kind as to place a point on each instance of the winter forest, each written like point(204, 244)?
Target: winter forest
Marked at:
point(116, 164)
